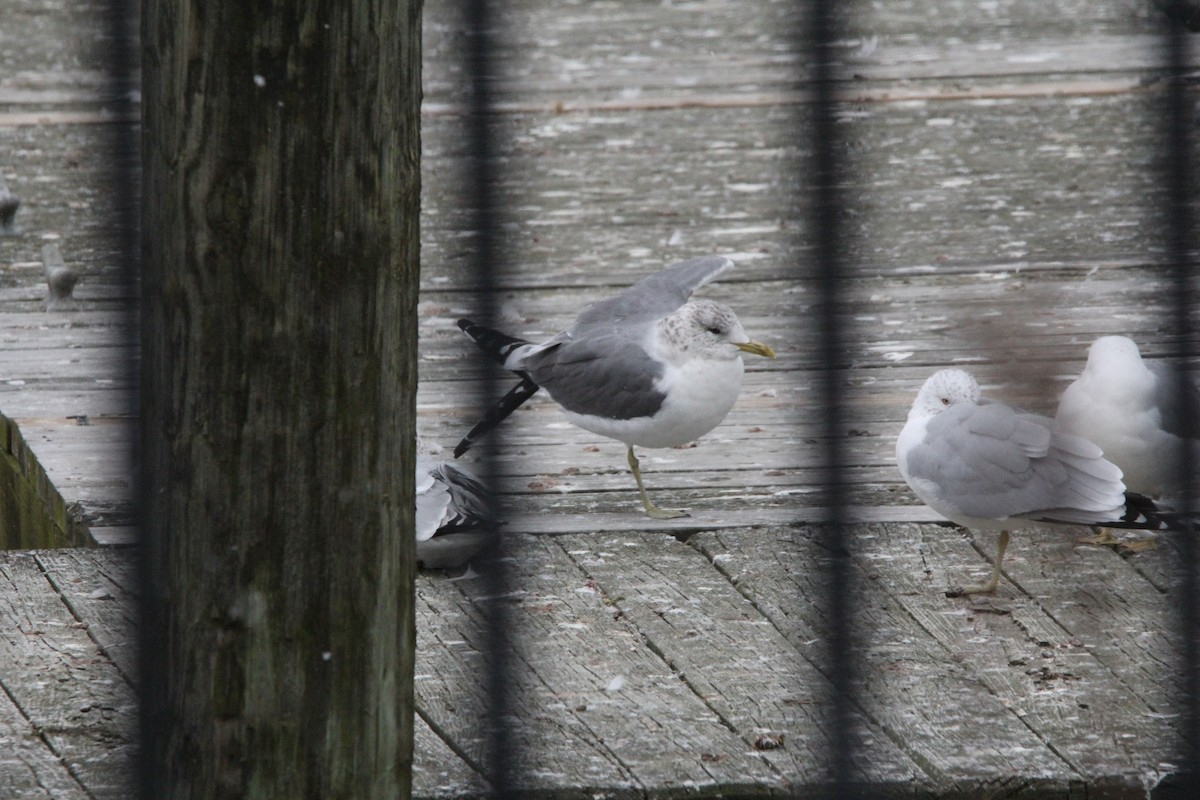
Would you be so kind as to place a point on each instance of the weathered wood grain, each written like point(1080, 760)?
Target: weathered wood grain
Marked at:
point(62, 683)
point(1048, 700)
point(99, 588)
point(438, 771)
point(1049, 669)
point(1039, 180)
point(29, 769)
point(911, 687)
point(584, 676)
point(761, 686)
point(1000, 199)
point(1088, 591)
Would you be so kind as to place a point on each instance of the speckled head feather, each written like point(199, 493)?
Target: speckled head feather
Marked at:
point(701, 329)
point(945, 388)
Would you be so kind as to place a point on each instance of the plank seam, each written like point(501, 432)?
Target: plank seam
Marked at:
point(981, 679)
point(531, 668)
point(457, 750)
point(78, 617)
point(662, 656)
point(935, 775)
point(40, 732)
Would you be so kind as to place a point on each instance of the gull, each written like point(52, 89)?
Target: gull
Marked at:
point(983, 464)
point(1135, 411)
point(454, 514)
point(648, 367)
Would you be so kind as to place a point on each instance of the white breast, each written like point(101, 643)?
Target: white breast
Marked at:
point(699, 395)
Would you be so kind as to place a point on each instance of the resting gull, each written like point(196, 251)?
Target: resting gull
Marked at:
point(454, 514)
point(984, 464)
point(648, 367)
point(1133, 410)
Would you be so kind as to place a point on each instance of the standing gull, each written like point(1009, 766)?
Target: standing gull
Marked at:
point(648, 367)
point(1133, 410)
point(984, 464)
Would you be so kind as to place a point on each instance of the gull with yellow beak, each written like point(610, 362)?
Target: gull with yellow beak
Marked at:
point(649, 367)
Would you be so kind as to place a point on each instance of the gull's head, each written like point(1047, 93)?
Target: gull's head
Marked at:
point(710, 329)
point(943, 389)
point(1113, 353)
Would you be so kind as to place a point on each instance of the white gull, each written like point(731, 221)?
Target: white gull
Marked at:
point(983, 464)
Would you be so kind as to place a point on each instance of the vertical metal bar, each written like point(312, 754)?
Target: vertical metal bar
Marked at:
point(503, 758)
point(1181, 240)
point(123, 145)
point(824, 175)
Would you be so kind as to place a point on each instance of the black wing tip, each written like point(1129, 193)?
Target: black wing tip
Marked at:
point(1137, 504)
point(1142, 512)
point(498, 413)
point(464, 323)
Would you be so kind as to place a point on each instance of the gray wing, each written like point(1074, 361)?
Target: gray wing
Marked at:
point(471, 504)
point(993, 462)
point(1173, 388)
point(599, 366)
point(607, 374)
point(449, 499)
point(654, 297)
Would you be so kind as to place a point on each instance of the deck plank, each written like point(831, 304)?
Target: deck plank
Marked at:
point(1049, 670)
point(1000, 209)
point(29, 769)
point(761, 686)
point(99, 588)
point(583, 674)
point(1048, 698)
point(912, 686)
point(62, 682)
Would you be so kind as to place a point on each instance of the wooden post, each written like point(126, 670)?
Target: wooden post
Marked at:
point(280, 227)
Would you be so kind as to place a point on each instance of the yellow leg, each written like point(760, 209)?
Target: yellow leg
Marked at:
point(651, 509)
point(991, 585)
point(1105, 537)
point(1101, 536)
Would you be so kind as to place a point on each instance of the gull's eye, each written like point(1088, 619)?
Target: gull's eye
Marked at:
point(945, 401)
point(714, 330)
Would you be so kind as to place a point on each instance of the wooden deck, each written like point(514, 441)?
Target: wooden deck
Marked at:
point(1002, 211)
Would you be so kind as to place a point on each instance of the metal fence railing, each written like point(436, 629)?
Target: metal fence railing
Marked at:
point(823, 175)
point(488, 263)
point(817, 188)
point(1179, 215)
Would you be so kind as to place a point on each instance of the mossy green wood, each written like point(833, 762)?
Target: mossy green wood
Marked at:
point(281, 195)
point(32, 513)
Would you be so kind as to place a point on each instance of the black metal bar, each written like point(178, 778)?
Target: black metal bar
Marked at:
point(123, 145)
point(503, 756)
point(824, 175)
point(1180, 243)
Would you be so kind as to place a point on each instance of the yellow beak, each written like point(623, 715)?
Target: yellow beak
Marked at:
point(758, 348)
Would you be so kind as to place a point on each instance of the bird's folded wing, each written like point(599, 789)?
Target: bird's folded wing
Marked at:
point(609, 376)
point(979, 457)
point(654, 297)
